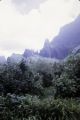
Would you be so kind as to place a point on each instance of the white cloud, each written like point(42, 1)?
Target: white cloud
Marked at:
point(18, 31)
point(25, 6)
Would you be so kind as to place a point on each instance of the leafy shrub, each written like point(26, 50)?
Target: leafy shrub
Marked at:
point(33, 108)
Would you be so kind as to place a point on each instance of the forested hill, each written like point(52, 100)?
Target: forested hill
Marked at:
point(40, 89)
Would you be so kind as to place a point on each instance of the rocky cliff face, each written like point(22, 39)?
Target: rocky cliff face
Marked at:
point(65, 42)
point(46, 51)
point(62, 45)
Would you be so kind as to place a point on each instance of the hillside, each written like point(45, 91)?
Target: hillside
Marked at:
point(40, 89)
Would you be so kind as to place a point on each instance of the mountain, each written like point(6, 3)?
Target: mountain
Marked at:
point(76, 50)
point(2, 60)
point(64, 43)
point(15, 58)
point(28, 53)
point(46, 51)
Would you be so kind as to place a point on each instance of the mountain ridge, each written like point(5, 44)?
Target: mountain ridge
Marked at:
point(67, 39)
point(65, 43)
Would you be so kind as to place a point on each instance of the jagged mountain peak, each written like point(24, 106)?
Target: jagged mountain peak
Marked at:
point(63, 44)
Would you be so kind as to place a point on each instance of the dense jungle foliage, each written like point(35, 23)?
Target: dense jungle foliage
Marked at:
point(49, 91)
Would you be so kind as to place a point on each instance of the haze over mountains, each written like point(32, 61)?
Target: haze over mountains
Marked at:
point(60, 47)
point(64, 43)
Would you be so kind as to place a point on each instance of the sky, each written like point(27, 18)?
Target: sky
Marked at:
point(27, 23)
